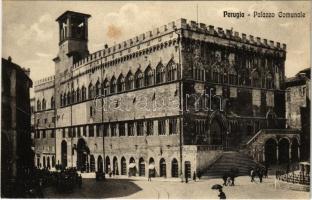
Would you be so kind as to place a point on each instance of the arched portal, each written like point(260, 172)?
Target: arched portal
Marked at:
point(115, 166)
point(295, 150)
point(100, 164)
point(64, 154)
point(162, 168)
point(92, 164)
point(174, 168)
point(44, 162)
point(187, 168)
point(48, 162)
point(107, 165)
point(151, 167)
point(141, 167)
point(53, 161)
point(215, 133)
point(38, 162)
point(270, 151)
point(82, 155)
point(132, 167)
point(123, 166)
point(283, 150)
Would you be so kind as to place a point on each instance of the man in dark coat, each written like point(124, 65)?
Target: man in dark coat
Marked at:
point(221, 194)
point(224, 177)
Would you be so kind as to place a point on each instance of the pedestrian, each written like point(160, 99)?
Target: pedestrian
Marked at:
point(80, 181)
point(198, 175)
point(181, 175)
point(232, 179)
point(221, 194)
point(252, 175)
point(260, 174)
point(194, 176)
point(149, 175)
point(186, 178)
point(224, 177)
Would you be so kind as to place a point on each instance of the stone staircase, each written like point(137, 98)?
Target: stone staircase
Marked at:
point(229, 160)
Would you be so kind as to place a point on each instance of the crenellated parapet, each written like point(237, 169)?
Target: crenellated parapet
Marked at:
point(232, 35)
point(44, 83)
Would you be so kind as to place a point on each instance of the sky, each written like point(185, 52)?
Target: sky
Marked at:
point(30, 32)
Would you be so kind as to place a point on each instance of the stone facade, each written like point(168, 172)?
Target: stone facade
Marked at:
point(167, 101)
point(298, 107)
point(16, 151)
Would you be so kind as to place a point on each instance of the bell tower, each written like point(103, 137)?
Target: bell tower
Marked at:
point(73, 40)
point(73, 46)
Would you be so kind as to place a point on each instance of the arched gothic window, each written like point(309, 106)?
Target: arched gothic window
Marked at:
point(160, 74)
point(121, 83)
point(83, 93)
point(113, 85)
point(43, 104)
point(90, 91)
point(129, 81)
point(38, 105)
point(215, 75)
point(78, 94)
point(73, 96)
point(68, 98)
point(232, 76)
point(105, 87)
point(52, 103)
point(255, 78)
point(97, 88)
point(269, 81)
point(171, 71)
point(61, 99)
point(149, 76)
point(139, 80)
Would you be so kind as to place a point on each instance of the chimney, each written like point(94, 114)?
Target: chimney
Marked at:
point(265, 41)
point(284, 46)
point(105, 46)
point(271, 43)
point(258, 40)
point(9, 59)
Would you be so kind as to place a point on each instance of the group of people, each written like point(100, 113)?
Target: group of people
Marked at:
point(260, 172)
point(229, 179)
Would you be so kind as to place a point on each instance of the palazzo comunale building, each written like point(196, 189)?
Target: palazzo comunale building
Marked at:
point(170, 100)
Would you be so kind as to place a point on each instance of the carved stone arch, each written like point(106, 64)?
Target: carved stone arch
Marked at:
point(285, 137)
point(217, 128)
point(219, 116)
point(272, 138)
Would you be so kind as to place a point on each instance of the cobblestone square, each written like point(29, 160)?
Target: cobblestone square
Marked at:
point(159, 188)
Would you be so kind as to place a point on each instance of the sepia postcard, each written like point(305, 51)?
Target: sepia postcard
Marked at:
point(156, 99)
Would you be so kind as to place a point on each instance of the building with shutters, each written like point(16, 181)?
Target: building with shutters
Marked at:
point(167, 101)
point(16, 145)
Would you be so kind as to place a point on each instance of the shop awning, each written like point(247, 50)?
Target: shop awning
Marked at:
point(151, 166)
point(131, 165)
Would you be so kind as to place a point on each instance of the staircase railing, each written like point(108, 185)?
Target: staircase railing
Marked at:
point(253, 139)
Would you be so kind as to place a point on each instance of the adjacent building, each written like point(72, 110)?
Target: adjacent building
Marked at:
point(298, 107)
point(170, 100)
point(16, 152)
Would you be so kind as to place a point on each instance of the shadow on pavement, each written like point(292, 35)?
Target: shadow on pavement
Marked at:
point(110, 188)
